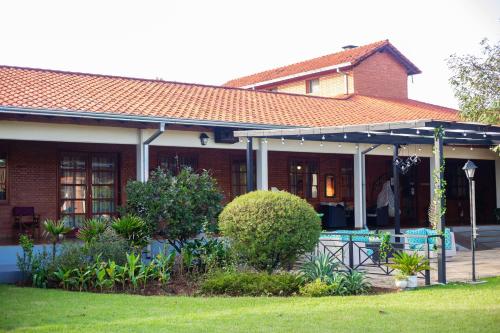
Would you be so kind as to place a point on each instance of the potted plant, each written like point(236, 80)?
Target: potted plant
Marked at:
point(410, 265)
point(401, 281)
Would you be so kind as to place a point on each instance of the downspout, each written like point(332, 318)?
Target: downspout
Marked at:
point(145, 147)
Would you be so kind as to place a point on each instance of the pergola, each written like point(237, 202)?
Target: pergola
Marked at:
point(432, 132)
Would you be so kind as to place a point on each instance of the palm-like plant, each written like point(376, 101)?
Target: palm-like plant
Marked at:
point(320, 267)
point(409, 264)
point(91, 229)
point(133, 229)
point(55, 230)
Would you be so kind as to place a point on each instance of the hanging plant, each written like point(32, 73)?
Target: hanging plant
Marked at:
point(435, 214)
point(385, 246)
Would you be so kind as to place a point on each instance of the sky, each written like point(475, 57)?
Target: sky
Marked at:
point(212, 42)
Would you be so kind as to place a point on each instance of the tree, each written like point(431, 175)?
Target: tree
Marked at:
point(476, 84)
point(176, 207)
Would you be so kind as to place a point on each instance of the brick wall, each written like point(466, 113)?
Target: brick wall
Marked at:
point(382, 76)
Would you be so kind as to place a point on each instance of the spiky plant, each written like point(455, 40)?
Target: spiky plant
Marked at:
point(91, 229)
point(55, 231)
point(321, 267)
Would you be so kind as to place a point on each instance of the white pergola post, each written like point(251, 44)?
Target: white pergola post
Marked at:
point(497, 177)
point(358, 189)
point(262, 169)
point(140, 156)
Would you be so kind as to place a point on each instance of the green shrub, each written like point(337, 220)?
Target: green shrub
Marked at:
point(251, 284)
point(176, 207)
point(24, 261)
point(71, 255)
point(204, 255)
point(409, 264)
point(356, 283)
point(91, 229)
point(270, 229)
point(316, 288)
point(133, 229)
point(320, 267)
point(110, 246)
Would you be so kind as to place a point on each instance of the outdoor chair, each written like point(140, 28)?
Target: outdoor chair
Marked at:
point(420, 244)
point(26, 220)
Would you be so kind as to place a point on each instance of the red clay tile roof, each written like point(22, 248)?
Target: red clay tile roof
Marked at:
point(353, 56)
point(55, 90)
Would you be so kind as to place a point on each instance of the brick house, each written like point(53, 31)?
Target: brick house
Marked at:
point(69, 142)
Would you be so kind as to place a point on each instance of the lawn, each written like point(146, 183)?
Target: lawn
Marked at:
point(452, 308)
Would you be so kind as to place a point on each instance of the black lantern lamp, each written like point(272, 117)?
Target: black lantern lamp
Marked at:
point(469, 169)
point(204, 139)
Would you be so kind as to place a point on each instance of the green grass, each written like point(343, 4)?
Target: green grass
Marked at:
point(452, 308)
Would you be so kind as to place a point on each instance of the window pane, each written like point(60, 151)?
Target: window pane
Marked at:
point(73, 207)
point(73, 192)
point(103, 192)
point(314, 192)
point(3, 192)
point(102, 206)
point(73, 161)
point(74, 221)
point(103, 162)
point(103, 177)
point(73, 177)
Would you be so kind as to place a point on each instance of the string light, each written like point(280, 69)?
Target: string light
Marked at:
point(321, 144)
point(240, 139)
point(302, 141)
point(471, 148)
point(369, 134)
point(323, 137)
point(465, 134)
point(265, 140)
point(484, 135)
point(453, 148)
point(248, 140)
point(392, 133)
point(418, 131)
point(388, 147)
point(340, 145)
point(345, 136)
point(282, 140)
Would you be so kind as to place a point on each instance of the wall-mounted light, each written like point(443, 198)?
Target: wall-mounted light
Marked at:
point(204, 139)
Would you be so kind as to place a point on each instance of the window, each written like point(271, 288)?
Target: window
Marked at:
point(3, 177)
point(329, 186)
point(175, 162)
point(312, 86)
point(304, 178)
point(346, 180)
point(457, 183)
point(238, 178)
point(87, 187)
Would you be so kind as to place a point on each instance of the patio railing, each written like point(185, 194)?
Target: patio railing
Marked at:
point(361, 251)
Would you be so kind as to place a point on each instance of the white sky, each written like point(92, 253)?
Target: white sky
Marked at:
point(214, 41)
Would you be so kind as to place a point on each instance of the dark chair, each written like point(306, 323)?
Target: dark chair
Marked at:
point(25, 219)
point(333, 216)
point(382, 216)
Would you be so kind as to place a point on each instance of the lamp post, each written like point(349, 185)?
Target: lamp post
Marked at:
point(470, 169)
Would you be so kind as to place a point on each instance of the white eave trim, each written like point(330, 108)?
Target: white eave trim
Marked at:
point(298, 75)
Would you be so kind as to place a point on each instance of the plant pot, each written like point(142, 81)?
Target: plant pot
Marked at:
point(401, 284)
point(412, 281)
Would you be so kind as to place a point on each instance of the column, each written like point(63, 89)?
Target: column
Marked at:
point(250, 186)
point(431, 178)
point(358, 189)
point(139, 163)
point(262, 170)
point(438, 162)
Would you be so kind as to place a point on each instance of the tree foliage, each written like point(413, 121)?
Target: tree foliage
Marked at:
point(176, 207)
point(476, 83)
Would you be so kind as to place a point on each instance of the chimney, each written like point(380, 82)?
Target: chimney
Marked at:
point(348, 47)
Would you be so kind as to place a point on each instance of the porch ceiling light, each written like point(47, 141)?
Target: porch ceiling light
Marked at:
point(204, 139)
point(470, 169)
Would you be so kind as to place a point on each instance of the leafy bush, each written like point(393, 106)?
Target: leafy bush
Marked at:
point(251, 284)
point(133, 229)
point(109, 246)
point(270, 229)
point(409, 264)
point(34, 266)
point(72, 255)
point(316, 288)
point(355, 283)
point(321, 267)
point(203, 255)
point(91, 229)
point(176, 207)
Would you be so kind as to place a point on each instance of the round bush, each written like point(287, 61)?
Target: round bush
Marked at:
point(270, 229)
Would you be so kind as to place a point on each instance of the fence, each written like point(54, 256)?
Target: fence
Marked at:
point(362, 251)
